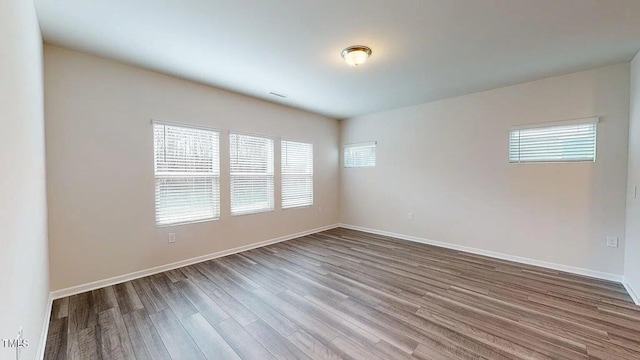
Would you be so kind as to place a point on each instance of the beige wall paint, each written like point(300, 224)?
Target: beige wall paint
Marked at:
point(446, 162)
point(632, 250)
point(24, 268)
point(100, 167)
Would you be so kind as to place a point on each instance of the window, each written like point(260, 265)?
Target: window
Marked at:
point(187, 174)
point(360, 155)
point(297, 174)
point(566, 141)
point(251, 174)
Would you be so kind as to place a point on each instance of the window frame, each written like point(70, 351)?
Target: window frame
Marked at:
point(270, 176)
point(214, 175)
point(371, 144)
point(283, 174)
point(594, 121)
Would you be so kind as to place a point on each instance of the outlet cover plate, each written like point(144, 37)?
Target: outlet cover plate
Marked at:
point(612, 241)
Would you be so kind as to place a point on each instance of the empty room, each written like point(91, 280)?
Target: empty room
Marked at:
point(279, 179)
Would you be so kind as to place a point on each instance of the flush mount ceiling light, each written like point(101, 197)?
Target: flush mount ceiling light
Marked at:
point(356, 55)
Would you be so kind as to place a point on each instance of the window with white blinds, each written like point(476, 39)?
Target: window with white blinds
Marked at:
point(251, 174)
point(297, 174)
point(573, 141)
point(187, 174)
point(360, 155)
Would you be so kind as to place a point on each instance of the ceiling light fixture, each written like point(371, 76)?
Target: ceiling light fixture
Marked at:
point(356, 55)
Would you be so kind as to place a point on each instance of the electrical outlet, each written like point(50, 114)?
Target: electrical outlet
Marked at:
point(172, 238)
point(410, 216)
point(319, 209)
point(612, 241)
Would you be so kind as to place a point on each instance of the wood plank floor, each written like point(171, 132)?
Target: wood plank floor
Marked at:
point(343, 294)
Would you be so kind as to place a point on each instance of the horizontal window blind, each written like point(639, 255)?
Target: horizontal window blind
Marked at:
point(297, 174)
point(187, 174)
point(251, 174)
point(360, 155)
point(572, 142)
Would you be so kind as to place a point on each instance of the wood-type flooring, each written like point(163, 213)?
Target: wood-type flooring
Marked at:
point(344, 294)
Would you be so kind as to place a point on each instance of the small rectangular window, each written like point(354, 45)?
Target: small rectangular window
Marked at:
point(187, 174)
point(360, 155)
point(568, 141)
point(297, 174)
point(251, 174)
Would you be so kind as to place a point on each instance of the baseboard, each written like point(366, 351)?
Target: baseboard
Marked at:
point(497, 255)
point(78, 289)
point(42, 343)
point(632, 292)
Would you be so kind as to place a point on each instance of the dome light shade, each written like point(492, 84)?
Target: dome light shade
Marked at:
point(356, 55)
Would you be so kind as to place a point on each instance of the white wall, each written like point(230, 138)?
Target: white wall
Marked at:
point(24, 268)
point(100, 167)
point(632, 250)
point(447, 162)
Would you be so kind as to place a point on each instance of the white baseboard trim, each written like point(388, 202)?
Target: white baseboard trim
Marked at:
point(78, 289)
point(42, 343)
point(632, 292)
point(497, 255)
